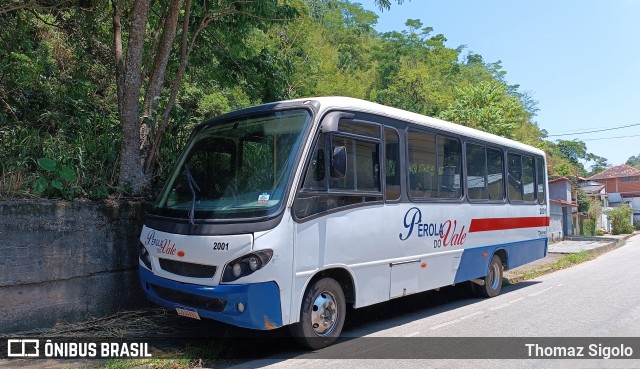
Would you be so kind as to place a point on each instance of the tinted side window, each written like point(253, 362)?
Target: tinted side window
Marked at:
point(477, 186)
point(485, 173)
point(495, 173)
point(434, 166)
point(315, 178)
point(514, 171)
point(361, 184)
point(449, 163)
point(422, 165)
point(392, 163)
point(359, 128)
point(363, 168)
point(528, 175)
point(540, 170)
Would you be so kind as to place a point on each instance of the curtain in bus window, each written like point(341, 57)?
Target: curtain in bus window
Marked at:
point(477, 173)
point(528, 175)
point(392, 163)
point(495, 173)
point(422, 165)
point(514, 171)
point(448, 168)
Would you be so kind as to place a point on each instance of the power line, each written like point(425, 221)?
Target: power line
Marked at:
point(596, 130)
point(608, 138)
point(579, 130)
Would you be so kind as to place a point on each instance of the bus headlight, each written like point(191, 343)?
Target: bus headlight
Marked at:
point(237, 270)
point(144, 256)
point(254, 263)
point(245, 265)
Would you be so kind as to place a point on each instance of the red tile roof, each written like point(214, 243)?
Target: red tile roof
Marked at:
point(617, 172)
point(563, 202)
point(559, 180)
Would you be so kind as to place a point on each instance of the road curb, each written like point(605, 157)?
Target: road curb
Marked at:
point(519, 276)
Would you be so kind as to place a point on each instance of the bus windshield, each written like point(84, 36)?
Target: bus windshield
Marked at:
point(236, 169)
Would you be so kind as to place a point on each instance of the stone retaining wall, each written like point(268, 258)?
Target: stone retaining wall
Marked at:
point(67, 261)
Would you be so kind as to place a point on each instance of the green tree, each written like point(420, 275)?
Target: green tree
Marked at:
point(583, 201)
point(620, 218)
point(634, 161)
point(178, 62)
point(488, 107)
point(599, 164)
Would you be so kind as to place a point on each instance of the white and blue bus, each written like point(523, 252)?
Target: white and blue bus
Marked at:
point(283, 213)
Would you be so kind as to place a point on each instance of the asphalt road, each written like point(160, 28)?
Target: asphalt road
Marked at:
point(599, 298)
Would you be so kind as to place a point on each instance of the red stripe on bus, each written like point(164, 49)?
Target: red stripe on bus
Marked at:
point(499, 224)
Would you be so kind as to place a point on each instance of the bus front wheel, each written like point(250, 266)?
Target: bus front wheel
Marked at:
point(493, 280)
point(322, 314)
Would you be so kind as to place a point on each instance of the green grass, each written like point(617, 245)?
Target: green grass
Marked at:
point(189, 357)
point(562, 263)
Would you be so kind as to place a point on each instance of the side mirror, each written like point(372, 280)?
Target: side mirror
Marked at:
point(339, 162)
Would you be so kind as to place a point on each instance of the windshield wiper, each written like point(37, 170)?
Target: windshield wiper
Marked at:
point(192, 183)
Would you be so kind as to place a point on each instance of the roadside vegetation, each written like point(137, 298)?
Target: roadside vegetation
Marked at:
point(562, 263)
point(79, 119)
point(620, 218)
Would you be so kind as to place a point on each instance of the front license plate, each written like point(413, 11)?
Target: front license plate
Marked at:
point(189, 313)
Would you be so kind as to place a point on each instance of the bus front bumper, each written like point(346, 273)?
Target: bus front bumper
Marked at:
point(260, 301)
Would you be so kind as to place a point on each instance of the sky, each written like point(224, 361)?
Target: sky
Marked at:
point(579, 59)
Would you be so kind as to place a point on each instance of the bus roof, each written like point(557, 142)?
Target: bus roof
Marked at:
point(327, 103)
point(349, 103)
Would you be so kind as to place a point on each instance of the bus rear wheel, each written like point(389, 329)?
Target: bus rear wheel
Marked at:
point(493, 280)
point(322, 314)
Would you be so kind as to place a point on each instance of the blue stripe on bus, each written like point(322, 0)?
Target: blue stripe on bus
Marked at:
point(474, 265)
point(261, 300)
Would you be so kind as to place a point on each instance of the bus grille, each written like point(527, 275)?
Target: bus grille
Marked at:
point(189, 299)
point(188, 269)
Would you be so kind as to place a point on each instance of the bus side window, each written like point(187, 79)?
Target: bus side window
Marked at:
point(477, 172)
point(316, 172)
point(540, 170)
point(528, 175)
point(321, 192)
point(449, 155)
point(392, 163)
point(422, 165)
point(485, 178)
point(495, 173)
point(514, 171)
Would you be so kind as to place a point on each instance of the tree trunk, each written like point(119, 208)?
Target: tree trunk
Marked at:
point(131, 170)
point(119, 59)
point(157, 76)
point(152, 159)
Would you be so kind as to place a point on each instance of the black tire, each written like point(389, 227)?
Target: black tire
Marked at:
point(493, 280)
point(327, 293)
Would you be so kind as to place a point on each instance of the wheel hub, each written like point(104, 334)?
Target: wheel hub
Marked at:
point(324, 313)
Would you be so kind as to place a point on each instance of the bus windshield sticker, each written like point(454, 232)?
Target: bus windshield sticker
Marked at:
point(263, 198)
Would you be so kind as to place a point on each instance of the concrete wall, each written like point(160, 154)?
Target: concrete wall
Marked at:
point(560, 190)
point(67, 261)
point(554, 232)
